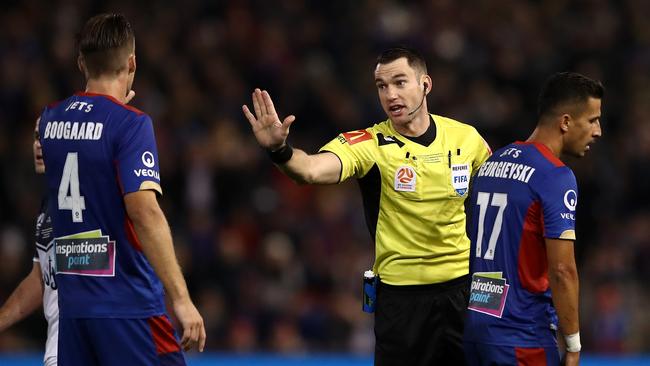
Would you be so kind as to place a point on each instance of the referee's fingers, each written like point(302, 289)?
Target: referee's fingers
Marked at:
point(268, 103)
point(257, 103)
point(287, 122)
point(249, 116)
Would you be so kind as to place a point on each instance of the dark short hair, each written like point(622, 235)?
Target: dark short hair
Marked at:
point(103, 43)
point(414, 59)
point(567, 88)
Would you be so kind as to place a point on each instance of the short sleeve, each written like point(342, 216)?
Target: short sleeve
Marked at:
point(482, 152)
point(137, 156)
point(559, 196)
point(352, 148)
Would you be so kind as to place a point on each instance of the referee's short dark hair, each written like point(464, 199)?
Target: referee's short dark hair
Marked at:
point(414, 59)
point(104, 42)
point(567, 88)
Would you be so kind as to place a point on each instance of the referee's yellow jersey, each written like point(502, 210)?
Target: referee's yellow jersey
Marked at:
point(413, 196)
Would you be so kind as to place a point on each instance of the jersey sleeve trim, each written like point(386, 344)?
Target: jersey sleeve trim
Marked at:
point(354, 137)
point(149, 185)
point(340, 161)
point(112, 99)
point(568, 235)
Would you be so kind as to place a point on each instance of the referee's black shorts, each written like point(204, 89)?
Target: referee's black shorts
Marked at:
point(421, 324)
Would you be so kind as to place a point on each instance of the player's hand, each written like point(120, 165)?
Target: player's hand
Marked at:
point(191, 323)
point(270, 132)
point(572, 359)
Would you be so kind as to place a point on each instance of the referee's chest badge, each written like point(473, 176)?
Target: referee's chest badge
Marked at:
point(460, 178)
point(405, 179)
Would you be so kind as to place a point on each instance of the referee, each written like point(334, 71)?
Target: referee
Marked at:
point(414, 170)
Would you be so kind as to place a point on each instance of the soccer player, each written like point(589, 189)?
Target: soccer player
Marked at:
point(39, 286)
point(114, 251)
point(414, 170)
point(523, 206)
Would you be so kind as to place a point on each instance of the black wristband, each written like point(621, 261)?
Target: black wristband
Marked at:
point(281, 155)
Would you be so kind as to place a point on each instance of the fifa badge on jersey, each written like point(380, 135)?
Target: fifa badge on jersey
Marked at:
point(405, 178)
point(488, 293)
point(460, 178)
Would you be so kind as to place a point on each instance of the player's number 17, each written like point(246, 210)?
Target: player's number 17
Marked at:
point(499, 200)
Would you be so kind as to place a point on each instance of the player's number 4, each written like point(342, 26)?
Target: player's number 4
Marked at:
point(499, 200)
point(70, 183)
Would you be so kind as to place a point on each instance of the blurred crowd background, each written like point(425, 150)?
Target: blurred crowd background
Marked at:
point(277, 267)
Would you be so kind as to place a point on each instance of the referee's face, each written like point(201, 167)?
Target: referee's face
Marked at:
point(400, 91)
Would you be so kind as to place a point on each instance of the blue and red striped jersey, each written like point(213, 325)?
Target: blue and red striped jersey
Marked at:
point(520, 195)
point(96, 150)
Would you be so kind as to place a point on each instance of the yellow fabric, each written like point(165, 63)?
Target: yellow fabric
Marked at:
point(420, 236)
point(568, 234)
point(150, 185)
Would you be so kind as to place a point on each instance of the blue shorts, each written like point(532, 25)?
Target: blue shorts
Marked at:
point(123, 342)
point(481, 354)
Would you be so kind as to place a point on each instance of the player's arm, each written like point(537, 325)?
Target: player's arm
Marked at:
point(563, 279)
point(271, 134)
point(155, 238)
point(25, 299)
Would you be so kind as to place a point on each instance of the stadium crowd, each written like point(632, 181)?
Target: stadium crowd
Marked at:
point(277, 267)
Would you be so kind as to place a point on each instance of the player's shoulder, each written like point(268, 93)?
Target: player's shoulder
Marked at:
point(110, 102)
point(539, 154)
point(543, 160)
point(365, 137)
point(94, 102)
point(453, 125)
point(55, 105)
point(457, 132)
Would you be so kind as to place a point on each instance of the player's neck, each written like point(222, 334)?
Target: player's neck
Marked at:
point(548, 138)
point(415, 127)
point(114, 87)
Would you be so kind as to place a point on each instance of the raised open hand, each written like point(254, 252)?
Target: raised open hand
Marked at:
point(270, 132)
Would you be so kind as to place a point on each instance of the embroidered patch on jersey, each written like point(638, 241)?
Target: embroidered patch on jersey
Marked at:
point(460, 178)
point(488, 293)
point(354, 137)
point(86, 254)
point(405, 179)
